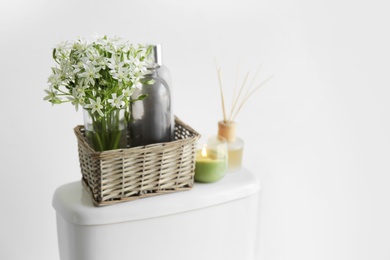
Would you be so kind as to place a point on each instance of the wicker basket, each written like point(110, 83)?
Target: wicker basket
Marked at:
point(128, 174)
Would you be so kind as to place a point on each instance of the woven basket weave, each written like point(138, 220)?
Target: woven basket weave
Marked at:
point(128, 174)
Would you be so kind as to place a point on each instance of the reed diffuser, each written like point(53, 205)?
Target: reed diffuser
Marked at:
point(227, 127)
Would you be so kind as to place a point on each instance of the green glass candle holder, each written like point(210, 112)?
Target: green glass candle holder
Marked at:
point(211, 159)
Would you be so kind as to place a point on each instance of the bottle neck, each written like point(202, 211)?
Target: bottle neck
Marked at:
point(153, 71)
point(227, 131)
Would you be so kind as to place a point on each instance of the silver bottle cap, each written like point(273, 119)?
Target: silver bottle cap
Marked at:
point(157, 54)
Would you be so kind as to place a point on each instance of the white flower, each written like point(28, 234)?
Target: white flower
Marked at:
point(95, 58)
point(103, 73)
point(111, 47)
point(100, 39)
point(54, 79)
point(52, 96)
point(137, 84)
point(95, 106)
point(114, 62)
point(138, 67)
point(79, 91)
point(90, 74)
point(79, 66)
point(62, 50)
point(126, 46)
point(66, 69)
point(128, 92)
point(116, 101)
point(77, 99)
point(121, 73)
point(80, 47)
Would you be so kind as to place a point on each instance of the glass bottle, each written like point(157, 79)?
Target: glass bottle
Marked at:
point(152, 118)
point(235, 145)
point(107, 132)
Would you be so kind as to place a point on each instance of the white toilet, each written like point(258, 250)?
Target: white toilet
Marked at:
point(216, 221)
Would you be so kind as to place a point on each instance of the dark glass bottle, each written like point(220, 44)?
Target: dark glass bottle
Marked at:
point(152, 118)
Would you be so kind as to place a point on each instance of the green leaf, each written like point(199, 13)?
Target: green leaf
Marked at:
point(55, 101)
point(142, 97)
point(147, 81)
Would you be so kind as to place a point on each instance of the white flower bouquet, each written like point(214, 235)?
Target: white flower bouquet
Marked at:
point(100, 76)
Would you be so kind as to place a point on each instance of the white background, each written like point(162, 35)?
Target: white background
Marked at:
point(317, 135)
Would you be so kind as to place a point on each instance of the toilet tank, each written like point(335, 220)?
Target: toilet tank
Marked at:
point(216, 221)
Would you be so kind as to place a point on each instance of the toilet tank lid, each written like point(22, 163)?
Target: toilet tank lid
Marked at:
point(73, 202)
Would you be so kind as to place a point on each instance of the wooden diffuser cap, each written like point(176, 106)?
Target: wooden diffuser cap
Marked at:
point(227, 131)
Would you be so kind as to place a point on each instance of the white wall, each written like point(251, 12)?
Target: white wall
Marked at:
point(317, 136)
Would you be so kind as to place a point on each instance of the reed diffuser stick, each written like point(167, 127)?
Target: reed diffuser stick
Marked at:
point(253, 80)
point(222, 96)
point(249, 95)
point(238, 99)
point(235, 88)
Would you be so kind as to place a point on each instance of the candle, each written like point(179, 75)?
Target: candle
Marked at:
point(211, 161)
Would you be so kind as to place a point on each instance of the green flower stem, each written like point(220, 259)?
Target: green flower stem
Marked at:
point(96, 142)
point(115, 139)
point(116, 135)
point(94, 134)
point(106, 133)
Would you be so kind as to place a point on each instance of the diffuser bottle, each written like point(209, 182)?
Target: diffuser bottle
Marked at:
point(227, 130)
point(152, 118)
point(227, 127)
